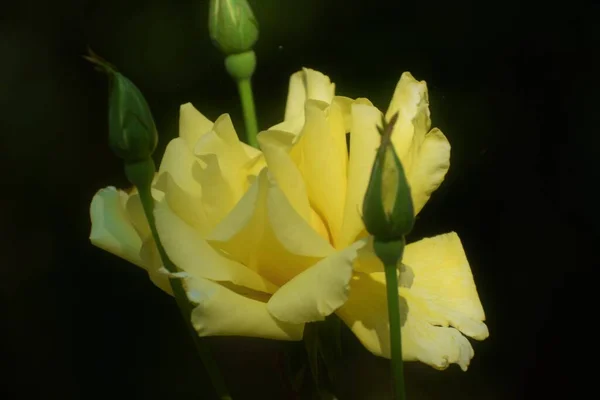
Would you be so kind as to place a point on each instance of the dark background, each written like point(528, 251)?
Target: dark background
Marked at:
point(514, 86)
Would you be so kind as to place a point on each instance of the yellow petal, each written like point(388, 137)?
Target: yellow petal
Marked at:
point(425, 155)
point(429, 167)
point(276, 146)
point(316, 292)
point(364, 141)
point(304, 85)
point(153, 264)
point(410, 101)
point(112, 229)
point(321, 156)
point(192, 124)
point(440, 293)
point(223, 312)
point(193, 254)
point(443, 278)
point(265, 233)
point(225, 170)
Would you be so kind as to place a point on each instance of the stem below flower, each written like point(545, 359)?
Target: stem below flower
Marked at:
point(241, 68)
point(141, 174)
point(390, 253)
point(247, 98)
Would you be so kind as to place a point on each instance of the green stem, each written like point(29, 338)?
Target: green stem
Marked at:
point(390, 254)
point(241, 68)
point(247, 98)
point(141, 174)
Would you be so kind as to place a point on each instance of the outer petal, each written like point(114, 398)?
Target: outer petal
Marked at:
point(425, 155)
point(410, 101)
point(223, 312)
point(264, 233)
point(194, 255)
point(192, 124)
point(364, 141)
point(321, 156)
point(318, 291)
point(112, 229)
point(429, 167)
point(119, 226)
point(304, 85)
point(440, 293)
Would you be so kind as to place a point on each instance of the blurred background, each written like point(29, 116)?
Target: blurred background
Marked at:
point(513, 85)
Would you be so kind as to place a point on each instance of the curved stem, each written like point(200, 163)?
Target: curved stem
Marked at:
point(247, 99)
point(138, 174)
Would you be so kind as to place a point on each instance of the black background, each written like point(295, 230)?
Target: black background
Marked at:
point(513, 85)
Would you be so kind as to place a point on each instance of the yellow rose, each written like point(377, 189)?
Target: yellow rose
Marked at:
point(266, 250)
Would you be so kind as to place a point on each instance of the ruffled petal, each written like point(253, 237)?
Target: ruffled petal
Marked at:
point(190, 252)
point(265, 233)
point(444, 280)
point(316, 292)
point(221, 311)
point(439, 293)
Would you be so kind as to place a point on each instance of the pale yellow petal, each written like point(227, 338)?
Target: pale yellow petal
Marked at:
point(153, 264)
point(430, 163)
point(112, 229)
point(220, 311)
point(365, 312)
point(437, 290)
point(444, 280)
point(183, 191)
point(364, 141)
point(425, 154)
point(265, 233)
point(304, 85)
point(276, 146)
point(136, 214)
point(321, 156)
point(225, 168)
point(316, 292)
point(410, 101)
point(192, 124)
point(191, 253)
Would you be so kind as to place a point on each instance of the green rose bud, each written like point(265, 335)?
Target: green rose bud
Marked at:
point(131, 129)
point(232, 26)
point(388, 212)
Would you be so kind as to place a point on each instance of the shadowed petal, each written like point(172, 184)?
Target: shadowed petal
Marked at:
point(316, 292)
point(223, 312)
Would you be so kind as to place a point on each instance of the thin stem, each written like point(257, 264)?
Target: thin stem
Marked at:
point(247, 99)
point(390, 254)
point(395, 330)
point(145, 191)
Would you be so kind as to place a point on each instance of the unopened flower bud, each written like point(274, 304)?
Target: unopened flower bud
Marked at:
point(232, 26)
point(132, 133)
point(388, 212)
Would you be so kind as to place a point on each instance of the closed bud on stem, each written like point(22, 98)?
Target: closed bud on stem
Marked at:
point(232, 26)
point(388, 212)
point(132, 133)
